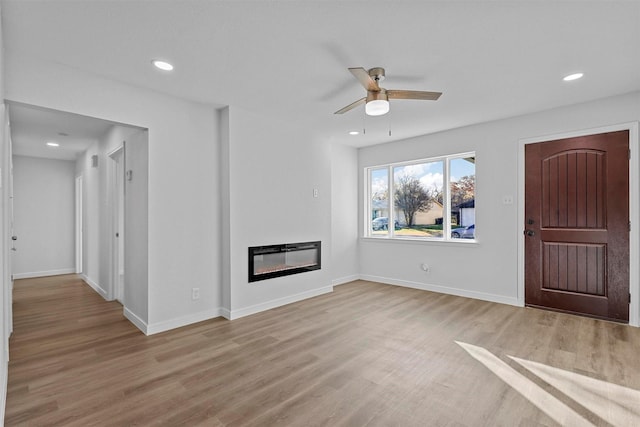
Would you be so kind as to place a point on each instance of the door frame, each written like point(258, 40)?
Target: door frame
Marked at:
point(634, 208)
point(6, 224)
point(79, 224)
point(115, 182)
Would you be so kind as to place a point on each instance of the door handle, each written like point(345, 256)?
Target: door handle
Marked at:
point(529, 233)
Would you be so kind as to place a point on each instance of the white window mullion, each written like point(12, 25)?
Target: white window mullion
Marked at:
point(446, 198)
point(367, 202)
point(391, 227)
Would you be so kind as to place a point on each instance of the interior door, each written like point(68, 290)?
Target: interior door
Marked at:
point(577, 225)
point(8, 262)
point(117, 222)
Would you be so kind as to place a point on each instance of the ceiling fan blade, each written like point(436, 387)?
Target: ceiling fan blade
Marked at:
point(413, 94)
point(351, 106)
point(365, 79)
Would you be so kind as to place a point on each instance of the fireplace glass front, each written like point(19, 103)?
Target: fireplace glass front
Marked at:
point(267, 262)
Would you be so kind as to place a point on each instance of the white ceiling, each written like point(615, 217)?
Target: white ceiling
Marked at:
point(32, 128)
point(289, 59)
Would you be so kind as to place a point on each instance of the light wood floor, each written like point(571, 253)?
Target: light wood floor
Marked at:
point(366, 354)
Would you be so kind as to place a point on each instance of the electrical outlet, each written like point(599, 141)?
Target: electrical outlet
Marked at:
point(315, 192)
point(195, 294)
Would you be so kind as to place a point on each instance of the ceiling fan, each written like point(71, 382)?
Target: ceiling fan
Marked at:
point(377, 99)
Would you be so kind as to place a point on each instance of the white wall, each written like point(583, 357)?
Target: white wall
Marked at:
point(136, 228)
point(91, 217)
point(344, 214)
point(6, 321)
point(97, 212)
point(488, 269)
point(184, 210)
point(5, 268)
point(225, 212)
point(273, 168)
point(44, 214)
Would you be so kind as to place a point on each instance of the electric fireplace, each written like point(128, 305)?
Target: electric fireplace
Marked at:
point(267, 262)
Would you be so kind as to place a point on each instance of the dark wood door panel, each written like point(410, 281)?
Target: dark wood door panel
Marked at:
point(563, 267)
point(573, 184)
point(577, 213)
point(578, 304)
point(574, 235)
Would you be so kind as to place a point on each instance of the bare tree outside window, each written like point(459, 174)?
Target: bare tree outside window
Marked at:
point(415, 192)
point(463, 190)
point(411, 197)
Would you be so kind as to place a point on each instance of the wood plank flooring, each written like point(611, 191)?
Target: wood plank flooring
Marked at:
point(365, 355)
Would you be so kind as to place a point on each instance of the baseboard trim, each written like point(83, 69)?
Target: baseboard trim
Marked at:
point(137, 322)
point(155, 328)
point(346, 279)
point(94, 286)
point(444, 290)
point(268, 305)
point(225, 312)
point(44, 273)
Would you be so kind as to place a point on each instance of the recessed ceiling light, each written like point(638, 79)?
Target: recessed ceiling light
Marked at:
point(354, 132)
point(574, 76)
point(53, 144)
point(163, 65)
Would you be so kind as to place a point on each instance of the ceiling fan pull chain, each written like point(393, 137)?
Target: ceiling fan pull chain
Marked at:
point(364, 124)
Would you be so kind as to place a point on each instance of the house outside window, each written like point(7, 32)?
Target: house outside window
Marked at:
point(431, 199)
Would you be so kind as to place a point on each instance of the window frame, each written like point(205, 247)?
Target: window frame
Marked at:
point(446, 200)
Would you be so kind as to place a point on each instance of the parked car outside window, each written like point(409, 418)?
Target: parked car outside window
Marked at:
point(464, 232)
point(382, 223)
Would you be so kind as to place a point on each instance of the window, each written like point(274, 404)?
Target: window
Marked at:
point(423, 199)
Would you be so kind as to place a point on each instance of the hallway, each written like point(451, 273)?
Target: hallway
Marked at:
point(63, 337)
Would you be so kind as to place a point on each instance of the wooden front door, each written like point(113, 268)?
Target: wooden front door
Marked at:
point(577, 225)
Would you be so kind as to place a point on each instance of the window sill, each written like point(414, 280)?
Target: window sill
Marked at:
point(419, 241)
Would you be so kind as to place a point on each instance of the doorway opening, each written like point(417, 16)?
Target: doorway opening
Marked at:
point(117, 203)
point(90, 157)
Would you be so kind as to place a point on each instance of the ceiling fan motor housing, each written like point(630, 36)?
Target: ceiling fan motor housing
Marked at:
point(379, 95)
point(377, 73)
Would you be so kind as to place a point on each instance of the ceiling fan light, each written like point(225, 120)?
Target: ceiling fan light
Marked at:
point(377, 107)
